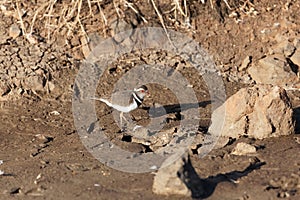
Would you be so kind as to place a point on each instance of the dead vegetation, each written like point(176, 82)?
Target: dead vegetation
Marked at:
point(71, 17)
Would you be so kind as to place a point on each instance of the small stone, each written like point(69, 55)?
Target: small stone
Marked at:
point(295, 58)
point(36, 83)
point(297, 139)
point(34, 153)
point(43, 145)
point(245, 63)
point(21, 74)
point(45, 139)
point(14, 31)
point(4, 88)
point(75, 167)
point(163, 138)
point(246, 79)
point(153, 167)
point(44, 162)
point(243, 148)
point(15, 190)
point(197, 141)
point(51, 86)
point(296, 43)
point(285, 48)
point(120, 29)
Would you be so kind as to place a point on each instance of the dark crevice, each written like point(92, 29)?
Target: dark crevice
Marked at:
point(273, 128)
point(195, 151)
point(127, 138)
point(147, 149)
point(294, 68)
point(247, 125)
point(231, 141)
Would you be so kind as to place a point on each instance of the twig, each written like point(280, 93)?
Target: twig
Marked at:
point(179, 8)
point(227, 4)
point(90, 8)
point(225, 1)
point(49, 15)
point(117, 9)
point(35, 15)
point(78, 17)
point(21, 19)
point(102, 14)
point(211, 4)
point(129, 5)
point(28, 36)
point(185, 8)
point(161, 21)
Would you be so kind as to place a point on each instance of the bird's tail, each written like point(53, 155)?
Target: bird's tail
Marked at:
point(103, 100)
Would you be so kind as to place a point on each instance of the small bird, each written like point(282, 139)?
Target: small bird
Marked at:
point(135, 100)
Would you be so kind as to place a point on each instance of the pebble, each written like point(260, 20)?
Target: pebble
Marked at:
point(15, 190)
point(245, 63)
point(14, 31)
point(243, 148)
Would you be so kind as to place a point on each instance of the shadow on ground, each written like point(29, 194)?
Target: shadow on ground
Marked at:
point(203, 188)
point(175, 108)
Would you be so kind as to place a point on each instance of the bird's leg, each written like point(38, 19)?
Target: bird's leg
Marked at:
point(121, 120)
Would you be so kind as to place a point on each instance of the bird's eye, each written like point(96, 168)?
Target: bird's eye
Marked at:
point(142, 91)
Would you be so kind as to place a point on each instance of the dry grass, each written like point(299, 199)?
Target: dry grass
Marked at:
point(58, 16)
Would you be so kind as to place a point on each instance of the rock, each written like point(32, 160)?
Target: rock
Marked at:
point(15, 190)
point(260, 111)
point(274, 70)
point(198, 141)
point(285, 48)
point(4, 89)
point(14, 31)
point(295, 58)
point(296, 43)
point(272, 114)
point(36, 83)
point(162, 138)
point(220, 142)
point(243, 148)
point(178, 178)
point(245, 63)
point(120, 30)
point(51, 86)
point(155, 140)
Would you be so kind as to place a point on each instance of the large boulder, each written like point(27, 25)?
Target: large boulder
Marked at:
point(178, 178)
point(260, 111)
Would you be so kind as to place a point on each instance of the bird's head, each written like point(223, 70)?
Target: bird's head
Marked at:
point(141, 91)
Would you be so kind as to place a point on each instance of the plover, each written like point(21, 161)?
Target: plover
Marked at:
point(134, 101)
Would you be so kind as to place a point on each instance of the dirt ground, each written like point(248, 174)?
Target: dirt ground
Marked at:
point(43, 156)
